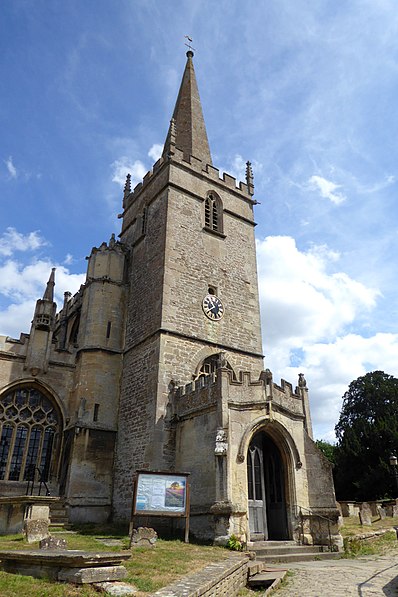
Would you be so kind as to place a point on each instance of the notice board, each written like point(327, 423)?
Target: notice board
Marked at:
point(162, 494)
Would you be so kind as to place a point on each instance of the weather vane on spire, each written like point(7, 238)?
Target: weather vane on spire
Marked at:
point(189, 43)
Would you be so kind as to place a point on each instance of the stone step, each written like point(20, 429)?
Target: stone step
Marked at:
point(286, 549)
point(255, 544)
point(59, 520)
point(58, 516)
point(59, 527)
point(299, 557)
point(267, 579)
point(57, 509)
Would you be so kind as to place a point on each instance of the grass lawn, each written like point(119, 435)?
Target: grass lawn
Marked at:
point(149, 569)
point(379, 545)
point(352, 526)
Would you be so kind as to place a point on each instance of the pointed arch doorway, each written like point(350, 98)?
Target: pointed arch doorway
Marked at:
point(266, 477)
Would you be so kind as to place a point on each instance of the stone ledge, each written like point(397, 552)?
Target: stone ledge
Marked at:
point(65, 557)
point(67, 565)
point(206, 581)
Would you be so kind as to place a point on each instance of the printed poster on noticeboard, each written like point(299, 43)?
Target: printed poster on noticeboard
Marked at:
point(159, 493)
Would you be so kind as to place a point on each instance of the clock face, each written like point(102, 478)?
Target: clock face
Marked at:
point(213, 307)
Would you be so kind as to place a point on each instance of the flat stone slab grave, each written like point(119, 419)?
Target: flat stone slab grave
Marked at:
point(74, 566)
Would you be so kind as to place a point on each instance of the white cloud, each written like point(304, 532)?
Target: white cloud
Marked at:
point(155, 152)
point(123, 166)
point(16, 318)
point(12, 240)
point(11, 168)
point(331, 367)
point(327, 189)
point(24, 284)
point(301, 299)
point(68, 259)
point(308, 313)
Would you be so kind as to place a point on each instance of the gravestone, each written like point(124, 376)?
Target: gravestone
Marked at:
point(391, 509)
point(382, 512)
point(365, 514)
point(143, 537)
point(52, 543)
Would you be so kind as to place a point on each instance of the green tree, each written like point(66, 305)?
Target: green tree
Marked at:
point(327, 449)
point(367, 433)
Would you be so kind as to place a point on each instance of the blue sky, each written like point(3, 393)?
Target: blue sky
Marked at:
point(305, 90)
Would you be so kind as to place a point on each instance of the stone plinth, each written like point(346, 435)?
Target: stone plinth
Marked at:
point(15, 509)
point(35, 530)
point(79, 576)
point(66, 565)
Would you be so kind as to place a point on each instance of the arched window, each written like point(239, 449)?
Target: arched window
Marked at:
point(210, 366)
point(74, 333)
point(213, 213)
point(29, 433)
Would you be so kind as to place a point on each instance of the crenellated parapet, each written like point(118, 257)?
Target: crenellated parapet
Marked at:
point(286, 399)
point(197, 396)
point(238, 389)
point(213, 174)
point(107, 262)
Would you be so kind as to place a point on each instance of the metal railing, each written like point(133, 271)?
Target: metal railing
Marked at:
point(312, 516)
point(42, 481)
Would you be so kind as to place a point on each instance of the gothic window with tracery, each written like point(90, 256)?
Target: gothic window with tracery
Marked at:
point(210, 365)
point(29, 432)
point(213, 213)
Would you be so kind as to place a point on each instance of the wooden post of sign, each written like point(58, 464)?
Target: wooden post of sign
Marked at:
point(187, 508)
point(132, 511)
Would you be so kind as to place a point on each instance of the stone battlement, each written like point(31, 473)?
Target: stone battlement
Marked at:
point(198, 395)
point(204, 381)
point(287, 388)
point(196, 164)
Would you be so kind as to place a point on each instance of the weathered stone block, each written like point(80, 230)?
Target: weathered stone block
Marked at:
point(52, 543)
point(118, 589)
point(37, 512)
point(35, 530)
point(365, 514)
point(81, 576)
point(143, 537)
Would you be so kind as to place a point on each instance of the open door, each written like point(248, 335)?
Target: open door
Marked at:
point(266, 490)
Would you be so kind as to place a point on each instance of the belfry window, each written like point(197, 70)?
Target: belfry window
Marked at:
point(210, 365)
point(213, 213)
point(29, 432)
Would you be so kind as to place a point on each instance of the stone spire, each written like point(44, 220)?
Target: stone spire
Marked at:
point(49, 291)
point(190, 130)
point(41, 332)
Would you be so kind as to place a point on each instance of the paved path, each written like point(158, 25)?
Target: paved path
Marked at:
point(362, 577)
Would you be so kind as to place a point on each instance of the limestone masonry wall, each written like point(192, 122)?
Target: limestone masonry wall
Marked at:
point(221, 579)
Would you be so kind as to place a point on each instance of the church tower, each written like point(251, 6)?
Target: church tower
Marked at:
point(193, 286)
point(194, 396)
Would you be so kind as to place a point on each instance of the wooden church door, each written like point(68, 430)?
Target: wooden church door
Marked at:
point(256, 492)
point(266, 490)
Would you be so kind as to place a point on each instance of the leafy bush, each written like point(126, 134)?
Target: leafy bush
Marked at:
point(234, 543)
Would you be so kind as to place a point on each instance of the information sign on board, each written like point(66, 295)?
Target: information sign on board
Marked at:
point(159, 493)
